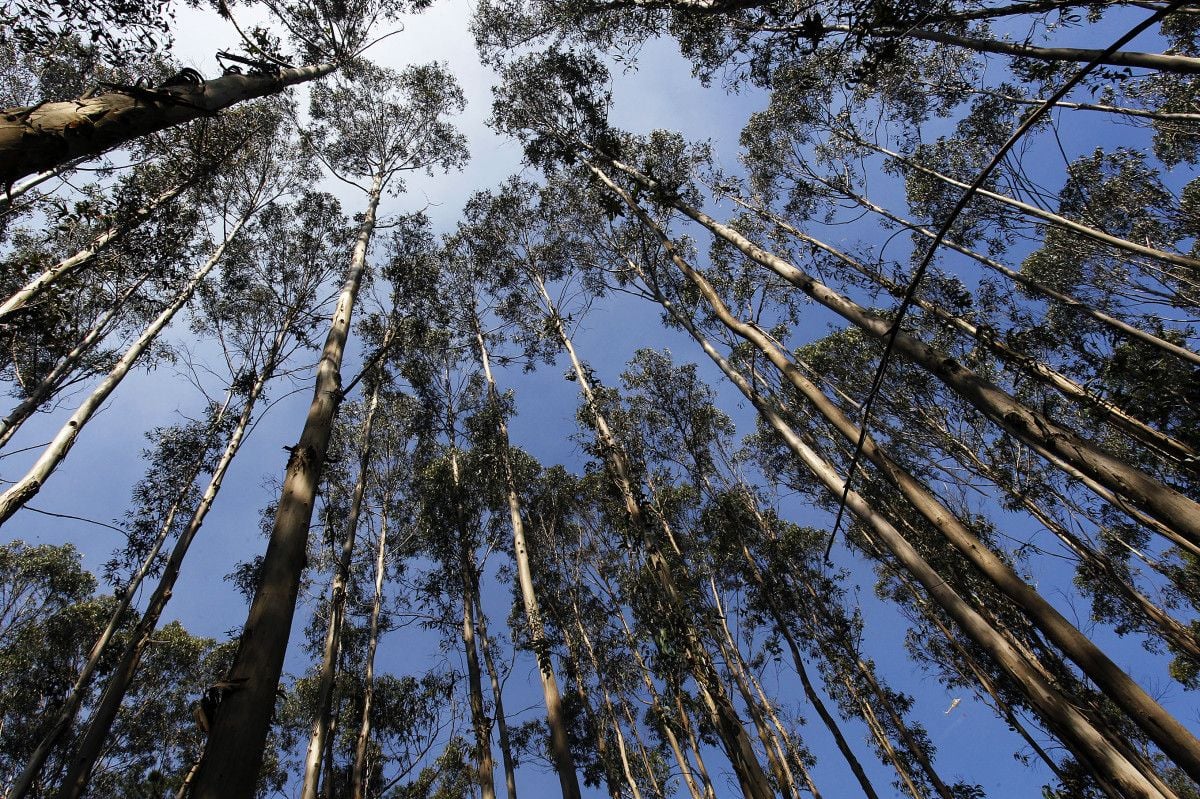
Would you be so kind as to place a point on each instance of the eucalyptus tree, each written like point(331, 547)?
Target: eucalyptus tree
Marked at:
point(378, 128)
point(259, 187)
point(364, 442)
point(452, 515)
point(150, 749)
point(263, 314)
point(475, 242)
point(539, 250)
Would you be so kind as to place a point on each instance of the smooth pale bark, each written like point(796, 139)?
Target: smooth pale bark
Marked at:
point(608, 704)
point(694, 746)
point(977, 672)
point(1075, 304)
point(239, 733)
point(68, 266)
point(560, 747)
point(1176, 634)
point(1073, 728)
point(54, 379)
point(730, 729)
point(1171, 508)
point(74, 699)
point(358, 772)
point(1188, 263)
point(1159, 725)
point(337, 611)
point(1042, 372)
point(1181, 65)
point(28, 486)
point(44, 136)
point(24, 187)
point(489, 664)
point(1174, 739)
point(92, 744)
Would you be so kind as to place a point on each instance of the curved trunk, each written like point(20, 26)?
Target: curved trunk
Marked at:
point(235, 747)
point(1161, 727)
point(1135, 428)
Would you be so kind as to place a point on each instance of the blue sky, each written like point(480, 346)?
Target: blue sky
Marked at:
point(96, 479)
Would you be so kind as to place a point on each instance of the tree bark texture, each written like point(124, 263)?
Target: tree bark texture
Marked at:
point(41, 137)
point(243, 720)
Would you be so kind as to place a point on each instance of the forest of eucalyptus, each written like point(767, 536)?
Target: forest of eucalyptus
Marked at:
point(928, 433)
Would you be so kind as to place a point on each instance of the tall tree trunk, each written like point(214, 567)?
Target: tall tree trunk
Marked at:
point(1180, 65)
point(484, 764)
point(337, 608)
point(560, 748)
point(41, 137)
point(28, 486)
point(694, 745)
point(79, 691)
point(1071, 726)
point(1178, 451)
point(771, 599)
point(90, 748)
point(239, 734)
point(685, 768)
point(1186, 262)
point(489, 663)
point(757, 705)
point(1025, 282)
point(358, 774)
point(68, 266)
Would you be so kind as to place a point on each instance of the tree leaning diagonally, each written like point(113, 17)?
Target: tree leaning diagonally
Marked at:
point(365, 132)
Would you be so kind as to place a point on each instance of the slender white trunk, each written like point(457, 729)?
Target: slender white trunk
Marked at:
point(337, 611)
point(89, 749)
point(83, 681)
point(34, 288)
point(358, 774)
point(28, 486)
point(564, 762)
point(1072, 727)
point(45, 389)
